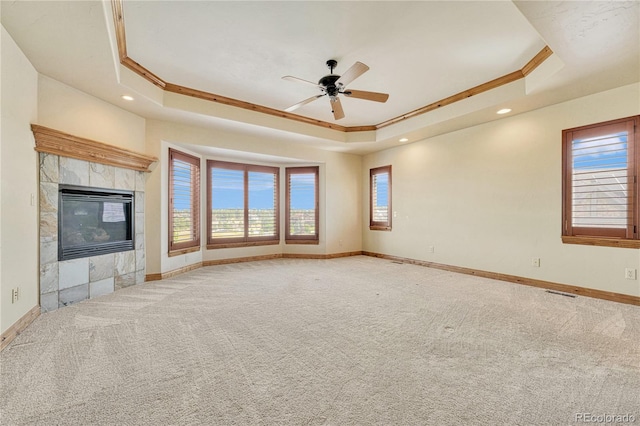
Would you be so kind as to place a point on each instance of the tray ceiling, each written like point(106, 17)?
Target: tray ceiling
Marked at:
point(418, 52)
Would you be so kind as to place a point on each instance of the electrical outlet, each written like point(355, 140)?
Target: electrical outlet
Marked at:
point(535, 262)
point(15, 294)
point(432, 249)
point(630, 273)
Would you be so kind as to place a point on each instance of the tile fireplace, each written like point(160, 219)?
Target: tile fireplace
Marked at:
point(91, 217)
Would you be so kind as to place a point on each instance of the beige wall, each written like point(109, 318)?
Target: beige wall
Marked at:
point(19, 184)
point(489, 198)
point(339, 191)
point(69, 110)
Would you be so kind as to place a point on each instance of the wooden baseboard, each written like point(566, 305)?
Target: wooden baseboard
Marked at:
point(320, 256)
point(303, 256)
point(173, 273)
point(241, 259)
point(344, 254)
point(565, 288)
point(19, 326)
point(170, 274)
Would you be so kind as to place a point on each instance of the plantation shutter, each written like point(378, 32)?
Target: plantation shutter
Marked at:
point(302, 203)
point(380, 198)
point(227, 218)
point(184, 200)
point(263, 203)
point(600, 189)
point(242, 203)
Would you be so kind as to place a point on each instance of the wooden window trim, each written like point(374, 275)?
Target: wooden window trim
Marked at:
point(379, 225)
point(602, 242)
point(176, 249)
point(604, 237)
point(245, 241)
point(242, 244)
point(184, 251)
point(302, 239)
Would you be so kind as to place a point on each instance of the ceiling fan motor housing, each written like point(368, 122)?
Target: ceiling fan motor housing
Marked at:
point(329, 84)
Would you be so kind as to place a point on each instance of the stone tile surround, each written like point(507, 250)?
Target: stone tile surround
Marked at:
point(71, 281)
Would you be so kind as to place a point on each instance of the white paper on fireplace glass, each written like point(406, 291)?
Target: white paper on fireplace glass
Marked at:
point(113, 212)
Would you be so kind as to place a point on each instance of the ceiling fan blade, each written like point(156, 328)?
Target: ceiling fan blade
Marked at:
point(306, 101)
point(370, 96)
point(336, 109)
point(299, 80)
point(352, 73)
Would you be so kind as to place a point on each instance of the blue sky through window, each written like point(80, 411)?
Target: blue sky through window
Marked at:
point(302, 191)
point(382, 189)
point(261, 191)
point(602, 153)
point(227, 191)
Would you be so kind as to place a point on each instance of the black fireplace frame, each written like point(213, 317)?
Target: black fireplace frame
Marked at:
point(86, 193)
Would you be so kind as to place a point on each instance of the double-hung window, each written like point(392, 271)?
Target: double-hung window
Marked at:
point(301, 218)
point(600, 188)
point(380, 198)
point(184, 202)
point(242, 204)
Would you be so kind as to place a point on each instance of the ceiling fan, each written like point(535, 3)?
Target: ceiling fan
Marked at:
point(333, 85)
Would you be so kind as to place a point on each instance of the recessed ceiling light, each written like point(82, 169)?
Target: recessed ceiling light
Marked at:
point(403, 140)
point(127, 97)
point(504, 111)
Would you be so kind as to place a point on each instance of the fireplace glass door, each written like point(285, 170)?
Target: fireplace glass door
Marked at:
point(94, 222)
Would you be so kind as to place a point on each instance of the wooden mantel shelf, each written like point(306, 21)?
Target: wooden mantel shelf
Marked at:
point(59, 143)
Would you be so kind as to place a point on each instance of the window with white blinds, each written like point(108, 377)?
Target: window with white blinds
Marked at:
point(226, 216)
point(242, 203)
point(600, 189)
point(184, 201)
point(263, 203)
point(380, 198)
point(302, 216)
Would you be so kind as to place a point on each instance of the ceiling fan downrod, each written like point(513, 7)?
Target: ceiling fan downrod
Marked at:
point(332, 63)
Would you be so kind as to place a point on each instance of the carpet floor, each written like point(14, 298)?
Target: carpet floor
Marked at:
point(349, 341)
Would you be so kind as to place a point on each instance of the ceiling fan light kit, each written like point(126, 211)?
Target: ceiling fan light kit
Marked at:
point(333, 85)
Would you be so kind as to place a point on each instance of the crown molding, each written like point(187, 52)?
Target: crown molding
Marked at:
point(194, 93)
point(501, 81)
point(537, 60)
point(125, 60)
point(59, 143)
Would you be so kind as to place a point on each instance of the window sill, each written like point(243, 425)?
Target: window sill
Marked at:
point(601, 242)
point(316, 242)
point(379, 228)
point(184, 251)
point(242, 244)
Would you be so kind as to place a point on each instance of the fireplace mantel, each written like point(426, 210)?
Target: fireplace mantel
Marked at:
point(59, 143)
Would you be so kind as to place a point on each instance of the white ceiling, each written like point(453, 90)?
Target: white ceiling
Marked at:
point(418, 52)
